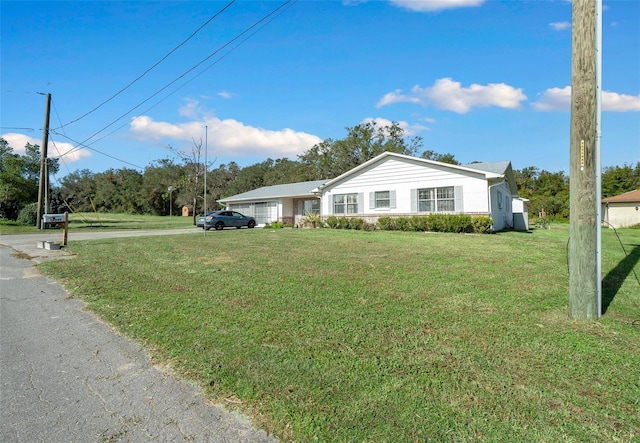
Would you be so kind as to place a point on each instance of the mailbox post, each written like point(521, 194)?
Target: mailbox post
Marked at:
point(58, 219)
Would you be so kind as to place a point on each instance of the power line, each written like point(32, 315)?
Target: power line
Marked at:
point(151, 68)
point(22, 129)
point(198, 74)
point(83, 143)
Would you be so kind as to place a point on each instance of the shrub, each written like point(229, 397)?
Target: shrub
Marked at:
point(357, 223)
point(482, 224)
point(542, 223)
point(387, 223)
point(274, 225)
point(29, 214)
point(369, 227)
point(419, 223)
point(332, 222)
point(404, 224)
point(312, 219)
point(436, 223)
point(458, 223)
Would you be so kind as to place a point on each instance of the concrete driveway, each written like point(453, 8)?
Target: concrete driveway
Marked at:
point(67, 377)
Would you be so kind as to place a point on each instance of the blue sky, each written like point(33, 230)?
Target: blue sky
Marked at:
point(483, 80)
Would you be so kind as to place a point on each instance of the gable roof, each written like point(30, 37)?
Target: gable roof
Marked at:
point(495, 170)
point(300, 189)
point(627, 197)
point(495, 167)
point(502, 167)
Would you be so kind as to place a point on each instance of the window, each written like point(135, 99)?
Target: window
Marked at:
point(312, 206)
point(345, 204)
point(436, 199)
point(382, 199)
point(499, 200)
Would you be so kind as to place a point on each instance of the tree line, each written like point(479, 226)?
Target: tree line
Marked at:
point(180, 181)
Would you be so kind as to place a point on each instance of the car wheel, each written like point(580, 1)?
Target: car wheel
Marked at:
point(251, 224)
point(219, 226)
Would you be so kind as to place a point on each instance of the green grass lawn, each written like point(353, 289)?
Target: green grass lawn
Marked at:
point(350, 336)
point(84, 221)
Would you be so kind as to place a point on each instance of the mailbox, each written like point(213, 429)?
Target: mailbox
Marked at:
point(53, 218)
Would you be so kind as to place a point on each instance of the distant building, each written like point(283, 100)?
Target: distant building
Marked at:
point(622, 210)
point(187, 211)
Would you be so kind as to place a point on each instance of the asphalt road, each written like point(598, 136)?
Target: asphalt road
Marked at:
point(67, 377)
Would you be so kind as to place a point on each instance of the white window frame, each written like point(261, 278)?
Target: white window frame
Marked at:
point(437, 199)
point(348, 202)
point(442, 199)
point(385, 199)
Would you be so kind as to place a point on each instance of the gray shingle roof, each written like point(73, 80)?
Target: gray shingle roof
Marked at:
point(495, 167)
point(301, 189)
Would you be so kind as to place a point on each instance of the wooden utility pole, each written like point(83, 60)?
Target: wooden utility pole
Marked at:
point(43, 186)
point(584, 281)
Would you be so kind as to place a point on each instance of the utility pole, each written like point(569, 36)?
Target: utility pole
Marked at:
point(43, 186)
point(584, 250)
point(206, 167)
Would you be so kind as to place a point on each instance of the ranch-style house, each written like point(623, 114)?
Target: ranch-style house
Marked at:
point(394, 185)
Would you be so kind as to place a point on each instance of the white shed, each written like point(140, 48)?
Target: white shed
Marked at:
point(520, 214)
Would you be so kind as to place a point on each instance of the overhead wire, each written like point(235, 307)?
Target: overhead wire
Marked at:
point(197, 75)
point(80, 145)
point(150, 69)
point(13, 127)
point(83, 143)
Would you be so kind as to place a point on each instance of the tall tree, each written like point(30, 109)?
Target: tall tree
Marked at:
point(19, 177)
point(329, 158)
point(526, 180)
point(620, 179)
point(444, 158)
point(79, 189)
point(548, 192)
point(157, 179)
point(219, 182)
point(194, 170)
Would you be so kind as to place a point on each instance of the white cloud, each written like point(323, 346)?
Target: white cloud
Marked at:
point(560, 26)
point(612, 101)
point(435, 5)
point(226, 137)
point(450, 95)
point(559, 99)
point(56, 149)
point(554, 99)
point(225, 94)
point(190, 109)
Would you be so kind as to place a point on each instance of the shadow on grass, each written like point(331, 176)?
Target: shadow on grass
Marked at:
point(612, 282)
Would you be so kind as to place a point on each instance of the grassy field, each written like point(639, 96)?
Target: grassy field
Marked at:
point(83, 221)
point(349, 336)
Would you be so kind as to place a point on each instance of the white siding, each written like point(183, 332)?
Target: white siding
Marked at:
point(621, 215)
point(403, 176)
point(501, 206)
point(286, 208)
